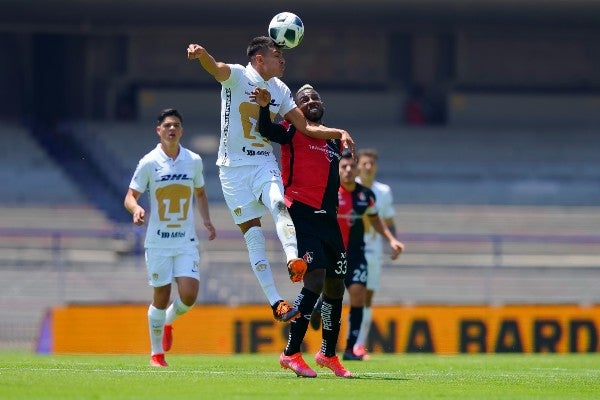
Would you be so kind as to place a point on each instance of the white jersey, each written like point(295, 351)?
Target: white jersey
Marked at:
point(385, 207)
point(240, 143)
point(171, 185)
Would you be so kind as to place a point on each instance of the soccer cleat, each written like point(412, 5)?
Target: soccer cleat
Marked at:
point(167, 340)
point(333, 363)
point(349, 355)
point(296, 363)
point(283, 312)
point(296, 268)
point(315, 316)
point(361, 350)
point(158, 360)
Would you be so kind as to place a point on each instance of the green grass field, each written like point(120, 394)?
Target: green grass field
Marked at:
point(543, 376)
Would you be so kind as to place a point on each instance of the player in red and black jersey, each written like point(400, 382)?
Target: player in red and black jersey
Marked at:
point(355, 201)
point(311, 180)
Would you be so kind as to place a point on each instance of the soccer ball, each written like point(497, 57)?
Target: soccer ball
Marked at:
point(286, 29)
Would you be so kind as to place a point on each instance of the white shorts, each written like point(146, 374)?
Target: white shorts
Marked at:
point(242, 187)
point(165, 264)
point(374, 261)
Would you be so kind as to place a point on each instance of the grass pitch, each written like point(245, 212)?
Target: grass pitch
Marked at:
point(541, 376)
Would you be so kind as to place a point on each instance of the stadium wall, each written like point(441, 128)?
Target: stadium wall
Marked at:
point(396, 329)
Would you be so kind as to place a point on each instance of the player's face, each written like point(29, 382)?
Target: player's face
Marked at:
point(367, 167)
point(170, 130)
point(347, 170)
point(309, 102)
point(273, 63)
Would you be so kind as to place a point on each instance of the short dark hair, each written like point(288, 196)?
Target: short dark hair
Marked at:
point(168, 112)
point(259, 44)
point(347, 153)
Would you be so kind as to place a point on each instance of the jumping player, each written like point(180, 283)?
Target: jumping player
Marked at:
point(249, 173)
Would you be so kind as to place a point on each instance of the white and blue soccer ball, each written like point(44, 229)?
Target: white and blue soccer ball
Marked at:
point(286, 29)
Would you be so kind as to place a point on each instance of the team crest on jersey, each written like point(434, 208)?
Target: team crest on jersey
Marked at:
point(238, 211)
point(261, 266)
point(362, 197)
point(308, 257)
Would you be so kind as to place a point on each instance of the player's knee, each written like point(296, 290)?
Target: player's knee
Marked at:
point(313, 280)
point(334, 288)
point(189, 299)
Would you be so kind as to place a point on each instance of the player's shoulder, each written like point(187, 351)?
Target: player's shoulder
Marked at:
point(237, 68)
point(384, 188)
point(236, 73)
point(362, 188)
point(279, 85)
point(151, 156)
point(189, 153)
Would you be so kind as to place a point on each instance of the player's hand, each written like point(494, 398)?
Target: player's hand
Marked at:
point(212, 232)
point(138, 216)
point(397, 248)
point(347, 142)
point(261, 96)
point(194, 51)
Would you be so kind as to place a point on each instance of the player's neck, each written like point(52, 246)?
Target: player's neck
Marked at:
point(349, 187)
point(171, 149)
point(366, 182)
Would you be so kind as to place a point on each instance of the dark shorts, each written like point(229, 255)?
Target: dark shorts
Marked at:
point(320, 241)
point(357, 268)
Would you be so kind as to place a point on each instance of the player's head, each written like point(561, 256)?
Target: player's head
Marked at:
point(266, 57)
point(309, 102)
point(169, 127)
point(347, 167)
point(367, 163)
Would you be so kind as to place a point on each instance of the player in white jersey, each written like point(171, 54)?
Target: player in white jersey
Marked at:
point(367, 169)
point(173, 177)
point(249, 173)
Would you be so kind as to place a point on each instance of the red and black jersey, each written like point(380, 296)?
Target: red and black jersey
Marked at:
point(310, 171)
point(309, 167)
point(352, 206)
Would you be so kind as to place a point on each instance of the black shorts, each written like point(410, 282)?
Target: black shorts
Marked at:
point(357, 267)
point(320, 241)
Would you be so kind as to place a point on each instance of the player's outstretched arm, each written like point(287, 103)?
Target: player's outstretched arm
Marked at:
point(319, 131)
point(219, 70)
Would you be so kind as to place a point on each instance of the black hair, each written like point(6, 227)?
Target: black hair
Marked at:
point(347, 153)
point(168, 112)
point(259, 44)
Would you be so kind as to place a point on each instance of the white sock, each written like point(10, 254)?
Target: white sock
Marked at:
point(284, 226)
point(176, 309)
point(156, 322)
point(257, 251)
point(365, 326)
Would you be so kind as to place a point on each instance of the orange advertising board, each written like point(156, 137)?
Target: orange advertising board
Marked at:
point(212, 329)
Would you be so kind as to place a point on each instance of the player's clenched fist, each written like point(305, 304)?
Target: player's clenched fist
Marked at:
point(194, 51)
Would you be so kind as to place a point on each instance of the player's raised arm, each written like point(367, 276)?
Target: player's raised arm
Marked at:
point(319, 131)
point(219, 70)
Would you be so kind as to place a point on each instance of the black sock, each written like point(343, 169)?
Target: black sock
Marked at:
point(331, 320)
point(305, 302)
point(356, 316)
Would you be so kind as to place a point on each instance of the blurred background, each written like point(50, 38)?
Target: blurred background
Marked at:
point(486, 115)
